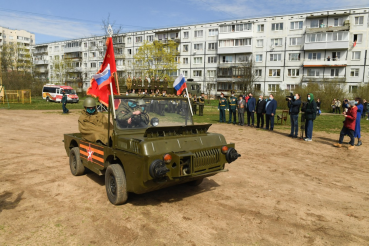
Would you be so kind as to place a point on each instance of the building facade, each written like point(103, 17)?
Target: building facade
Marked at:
point(286, 51)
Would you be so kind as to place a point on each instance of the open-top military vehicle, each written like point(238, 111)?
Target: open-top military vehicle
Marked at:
point(157, 148)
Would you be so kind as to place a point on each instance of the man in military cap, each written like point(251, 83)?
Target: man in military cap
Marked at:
point(165, 83)
point(139, 83)
point(152, 83)
point(232, 108)
point(134, 83)
point(201, 104)
point(129, 83)
point(157, 84)
point(194, 104)
point(222, 106)
point(92, 124)
point(146, 83)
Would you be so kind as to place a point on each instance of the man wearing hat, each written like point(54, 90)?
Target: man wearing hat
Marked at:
point(222, 106)
point(348, 125)
point(64, 103)
point(232, 108)
point(201, 104)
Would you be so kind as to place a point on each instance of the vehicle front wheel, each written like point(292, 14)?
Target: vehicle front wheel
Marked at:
point(195, 182)
point(116, 184)
point(75, 163)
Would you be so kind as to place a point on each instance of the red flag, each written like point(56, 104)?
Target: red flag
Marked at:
point(354, 43)
point(104, 92)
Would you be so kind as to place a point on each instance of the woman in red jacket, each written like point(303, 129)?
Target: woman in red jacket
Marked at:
point(348, 125)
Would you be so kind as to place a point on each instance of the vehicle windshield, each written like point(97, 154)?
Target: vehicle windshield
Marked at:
point(152, 112)
point(69, 91)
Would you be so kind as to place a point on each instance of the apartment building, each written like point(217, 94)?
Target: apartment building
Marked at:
point(286, 51)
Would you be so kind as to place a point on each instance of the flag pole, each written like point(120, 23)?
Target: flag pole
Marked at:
point(188, 98)
point(116, 78)
point(110, 32)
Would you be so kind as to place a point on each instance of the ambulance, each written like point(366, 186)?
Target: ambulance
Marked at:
point(54, 93)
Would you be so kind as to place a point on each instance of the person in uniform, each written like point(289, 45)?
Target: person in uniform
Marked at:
point(134, 83)
point(201, 104)
point(157, 83)
point(139, 83)
point(222, 106)
point(146, 83)
point(92, 124)
point(152, 83)
point(64, 103)
point(129, 83)
point(165, 83)
point(128, 113)
point(232, 108)
point(241, 106)
point(194, 104)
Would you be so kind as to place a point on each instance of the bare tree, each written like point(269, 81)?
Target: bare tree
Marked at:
point(245, 76)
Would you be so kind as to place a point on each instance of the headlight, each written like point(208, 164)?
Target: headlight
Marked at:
point(232, 155)
point(154, 122)
point(158, 169)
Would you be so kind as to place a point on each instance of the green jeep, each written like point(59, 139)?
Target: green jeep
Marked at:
point(160, 147)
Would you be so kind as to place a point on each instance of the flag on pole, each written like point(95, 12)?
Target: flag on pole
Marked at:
point(180, 84)
point(355, 43)
point(100, 82)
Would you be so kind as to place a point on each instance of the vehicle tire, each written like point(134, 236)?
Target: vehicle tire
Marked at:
point(116, 184)
point(47, 99)
point(75, 163)
point(195, 182)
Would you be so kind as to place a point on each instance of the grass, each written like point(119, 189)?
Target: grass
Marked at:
point(331, 123)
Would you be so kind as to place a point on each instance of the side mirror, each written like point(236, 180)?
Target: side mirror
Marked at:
point(154, 122)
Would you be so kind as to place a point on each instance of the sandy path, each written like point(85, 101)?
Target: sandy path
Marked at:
point(281, 191)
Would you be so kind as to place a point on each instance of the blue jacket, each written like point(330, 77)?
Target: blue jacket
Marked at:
point(251, 104)
point(270, 107)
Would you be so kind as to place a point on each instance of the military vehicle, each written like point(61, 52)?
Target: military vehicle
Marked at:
point(157, 148)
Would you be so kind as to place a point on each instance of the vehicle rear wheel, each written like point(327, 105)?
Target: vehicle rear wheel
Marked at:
point(116, 184)
point(75, 163)
point(195, 182)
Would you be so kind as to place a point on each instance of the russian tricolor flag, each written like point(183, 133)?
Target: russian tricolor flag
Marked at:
point(180, 84)
point(103, 78)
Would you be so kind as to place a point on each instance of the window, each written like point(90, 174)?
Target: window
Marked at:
point(359, 20)
point(139, 39)
point(185, 73)
point(274, 72)
point(212, 73)
point(316, 23)
point(119, 62)
point(93, 54)
point(293, 72)
point(118, 51)
point(197, 46)
point(295, 41)
point(313, 72)
point(212, 59)
point(212, 46)
point(259, 42)
point(185, 48)
point(185, 60)
point(336, 55)
point(56, 48)
point(84, 55)
point(259, 58)
point(316, 37)
point(314, 56)
point(258, 72)
point(276, 42)
point(242, 58)
point(275, 57)
point(234, 42)
point(358, 38)
point(100, 43)
point(85, 64)
point(129, 40)
point(199, 33)
point(150, 38)
point(85, 44)
point(335, 72)
point(273, 87)
point(353, 88)
point(93, 64)
point(213, 32)
point(296, 25)
point(129, 51)
point(356, 55)
point(338, 22)
point(227, 59)
point(185, 34)
point(277, 26)
point(173, 35)
point(354, 72)
point(260, 28)
point(197, 73)
point(294, 56)
point(197, 60)
point(162, 36)
point(291, 87)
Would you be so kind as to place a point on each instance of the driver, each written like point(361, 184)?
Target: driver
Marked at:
point(129, 114)
point(92, 124)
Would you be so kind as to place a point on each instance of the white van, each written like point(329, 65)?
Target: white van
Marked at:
point(54, 93)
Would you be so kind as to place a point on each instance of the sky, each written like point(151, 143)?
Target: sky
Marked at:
point(62, 20)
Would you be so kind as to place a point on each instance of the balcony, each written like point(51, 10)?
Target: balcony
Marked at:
point(235, 49)
point(41, 71)
point(72, 49)
point(323, 78)
point(334, 62)
point(39, 52)
point(40, 62)
point(329, 40)
point(328, 29)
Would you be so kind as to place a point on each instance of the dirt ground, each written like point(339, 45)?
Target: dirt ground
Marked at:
point(282, 191)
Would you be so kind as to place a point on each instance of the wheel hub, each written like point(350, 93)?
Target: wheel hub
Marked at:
point(113, 185)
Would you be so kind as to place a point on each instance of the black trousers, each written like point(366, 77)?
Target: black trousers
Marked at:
point(269, 121)
point(350, 133)
point(241, 118)
point(250, 115)
point(260, 118)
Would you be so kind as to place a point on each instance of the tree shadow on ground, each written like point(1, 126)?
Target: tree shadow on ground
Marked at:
point(171, 194)
point(6, 204)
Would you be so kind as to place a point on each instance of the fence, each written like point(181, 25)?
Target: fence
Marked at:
point(16, 96)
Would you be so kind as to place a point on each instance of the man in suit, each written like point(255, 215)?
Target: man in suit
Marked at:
point(241, 107)
point(251, 104)
point(260, 111)
point(270, 109)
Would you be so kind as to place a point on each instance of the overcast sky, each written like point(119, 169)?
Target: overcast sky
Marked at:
point(59, 20)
